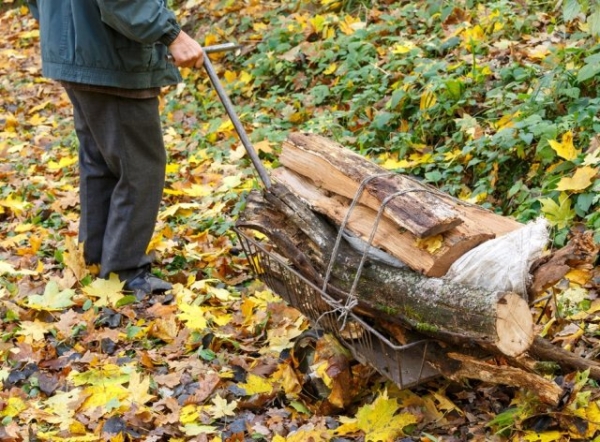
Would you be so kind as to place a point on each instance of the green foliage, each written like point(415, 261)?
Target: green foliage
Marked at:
point(457, 93)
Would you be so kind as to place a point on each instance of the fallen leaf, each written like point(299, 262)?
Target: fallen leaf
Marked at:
point(53, 298)
point(581, 179)
point(565, 148)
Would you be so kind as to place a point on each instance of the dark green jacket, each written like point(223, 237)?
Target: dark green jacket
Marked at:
point(118, 43)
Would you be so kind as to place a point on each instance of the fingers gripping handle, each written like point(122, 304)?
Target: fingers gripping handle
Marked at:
point(213, 49)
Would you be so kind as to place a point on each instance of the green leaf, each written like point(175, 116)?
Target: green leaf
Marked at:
point(559, 214)
point(207, 354)
point(571, 9)
point(126, 300)
point(300, 407)
point(594, 22)
point(588, 71)
point(455, 88)
point(382, 120)
point(583, 204)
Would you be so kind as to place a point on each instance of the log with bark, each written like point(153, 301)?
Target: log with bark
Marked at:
point(468, 324)
point(463, 315)
point(328, 178)
point(300, 215)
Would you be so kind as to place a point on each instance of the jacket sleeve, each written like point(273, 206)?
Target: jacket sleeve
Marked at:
point(144, 21)
point(33, 8)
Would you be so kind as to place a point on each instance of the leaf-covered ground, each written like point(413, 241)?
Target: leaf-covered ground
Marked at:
point(494, 102)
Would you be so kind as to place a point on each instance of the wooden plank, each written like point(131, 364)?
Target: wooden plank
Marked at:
point(403, 245)
point(342, 171)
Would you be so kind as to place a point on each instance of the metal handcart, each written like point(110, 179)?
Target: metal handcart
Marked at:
point(405, 365)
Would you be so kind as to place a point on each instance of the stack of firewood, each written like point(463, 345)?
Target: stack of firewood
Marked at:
point(323, 187)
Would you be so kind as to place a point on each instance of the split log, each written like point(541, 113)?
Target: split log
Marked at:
point(327, 177)
point(498, 321)
point(471, 368)
point(459, 365)
point(401, 244)
point(342, 171)
point(420, 209)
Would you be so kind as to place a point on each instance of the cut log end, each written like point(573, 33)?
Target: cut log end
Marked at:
point(514, 325)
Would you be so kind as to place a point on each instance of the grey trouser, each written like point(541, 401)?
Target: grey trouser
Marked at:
point(122, 163)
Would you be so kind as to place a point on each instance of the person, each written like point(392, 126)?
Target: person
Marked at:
point(113, 57)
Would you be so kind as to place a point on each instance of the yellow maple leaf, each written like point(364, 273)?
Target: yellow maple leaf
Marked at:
point(53, 298)
point(15, 204)
point(350, 25)
point(581, 179)
point(472, 36)
point(183, 209)
point(107, 291)
point(63, 162)
point(256, 385)
point(219, 317)
point(189, 414)
point(106, 374)
point(432, 243)
point(579, 276)
point(197, 430)
point(428, 100)
point(539, 52)
point(309, 432)
point(546, 436)
point(404, 47)
point(281, 338)
point(565, 148)
point(229, 182)
point(288, 379)
point(101, 395)
point(13, 406)
point(390, 163)
point(380, 420)
point(34, 330)
point(197, 191)
point(193, 316)
point(559, 214)
point(221, 408)
point(8, 269)
point(507, 121)
point(330, 69)
point(73, 258)
point(165, 328)
point(592, 158)
point(39, 107)
point(222, 294)
point(348, 426)
point(138, 389)
point(62, 407)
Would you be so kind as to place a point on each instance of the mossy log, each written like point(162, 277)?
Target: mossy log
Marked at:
point(498, 321)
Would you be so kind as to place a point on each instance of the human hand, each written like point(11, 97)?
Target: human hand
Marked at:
point(186, 51)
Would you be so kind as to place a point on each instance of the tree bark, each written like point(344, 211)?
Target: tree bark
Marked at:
point(497, 321)
point(342, 171)
point(429, 258)
point(420, 208)
point(581, 252)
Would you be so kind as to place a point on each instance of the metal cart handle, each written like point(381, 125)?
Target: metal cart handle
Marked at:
point(214, 79)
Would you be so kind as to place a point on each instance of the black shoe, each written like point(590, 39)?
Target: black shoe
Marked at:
point(146, 284)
